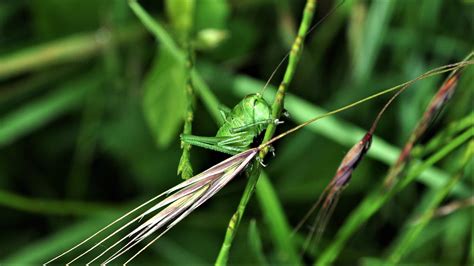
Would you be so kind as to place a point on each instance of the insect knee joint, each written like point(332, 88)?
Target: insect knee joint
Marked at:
point(260, 160)
point(278, 122)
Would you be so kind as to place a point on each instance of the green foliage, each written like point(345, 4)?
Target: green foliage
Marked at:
point(164, 96)
point(63, 21)
point(255, 241)
point(92, 101)
point(40, 111)
point(211, 14)
point(181, 14)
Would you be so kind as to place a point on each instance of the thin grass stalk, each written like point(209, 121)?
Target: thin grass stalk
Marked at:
point(413, 231)
point(51, 207)
point(275, 220)
point(433, 72)
point(235, 220)
point(68, 49)
point(185, 167)
point(330, 196)
point(38, 112)
point(453, 129)
point(452, 207)
point(377, 198)
point(277, 108)
point(16, 89)
point(255, 243)
point(374, 201)
point(85, 144)
point(435, 106)
point(400, 89)
point(339, 131)
point(412, 174)
point(210, 101)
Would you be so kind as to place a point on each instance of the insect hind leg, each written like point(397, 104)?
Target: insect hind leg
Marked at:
point(228, 145)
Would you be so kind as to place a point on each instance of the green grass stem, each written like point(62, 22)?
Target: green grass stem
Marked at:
point(341, 131)
point(277, 107)
point(275, 219)
point(51, 207)
point(68, 49)
point(210, 101)
point(408, 237)
point(37, 113)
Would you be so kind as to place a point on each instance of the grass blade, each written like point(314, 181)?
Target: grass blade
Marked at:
point(39, 112)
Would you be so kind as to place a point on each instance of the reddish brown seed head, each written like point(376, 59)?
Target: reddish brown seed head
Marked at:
point(351, 160)
point(436, 104)
point(442, 96)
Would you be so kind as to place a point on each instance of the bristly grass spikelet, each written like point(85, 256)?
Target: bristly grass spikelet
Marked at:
point(330, 196)
point(383, 193)
point(181, 200)
point(437, 103)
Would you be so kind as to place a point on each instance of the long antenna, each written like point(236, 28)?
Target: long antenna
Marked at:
point(308, 32)
point(403, 86)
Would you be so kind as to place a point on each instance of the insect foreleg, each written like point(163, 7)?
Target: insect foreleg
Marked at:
point(224, 111)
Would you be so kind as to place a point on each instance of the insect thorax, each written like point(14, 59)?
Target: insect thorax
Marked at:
point(250, 111)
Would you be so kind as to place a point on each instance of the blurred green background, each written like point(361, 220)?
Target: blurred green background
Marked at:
point(91, 110)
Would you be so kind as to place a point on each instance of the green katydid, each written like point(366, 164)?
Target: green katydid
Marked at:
point(241, 125)
point(250, 117)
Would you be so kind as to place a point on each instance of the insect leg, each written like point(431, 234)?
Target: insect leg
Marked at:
point(224, 111)
point(234, 140)
point(221, 144)
point(207, 143)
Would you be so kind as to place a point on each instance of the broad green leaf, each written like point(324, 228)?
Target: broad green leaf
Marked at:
point(211, 14)
point(164, 99)
point(180, 13)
